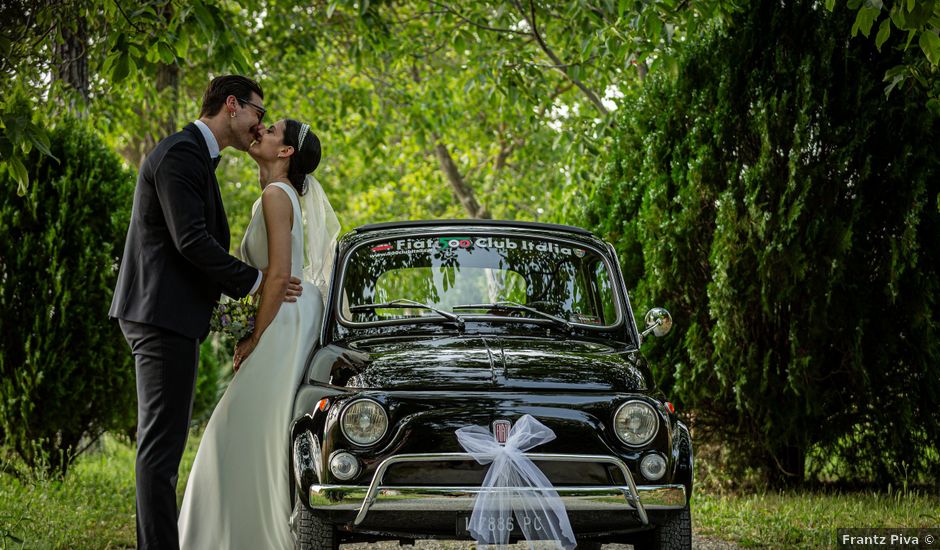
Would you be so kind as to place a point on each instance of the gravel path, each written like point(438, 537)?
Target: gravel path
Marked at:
point(698, 543)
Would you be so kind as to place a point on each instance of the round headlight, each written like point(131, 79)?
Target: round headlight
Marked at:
point(653, 466)
point(635, 423)
point(364, 422)
point(344, 466)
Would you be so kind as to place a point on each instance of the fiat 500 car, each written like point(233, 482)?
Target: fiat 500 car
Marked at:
point(434, 326)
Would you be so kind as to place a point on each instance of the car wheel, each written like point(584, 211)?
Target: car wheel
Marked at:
point(674, 534)
point(313, 532)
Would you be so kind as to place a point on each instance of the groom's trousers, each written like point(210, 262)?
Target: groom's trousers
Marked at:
point(166, 365)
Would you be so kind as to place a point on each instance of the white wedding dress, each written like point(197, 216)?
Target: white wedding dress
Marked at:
point(237, 495)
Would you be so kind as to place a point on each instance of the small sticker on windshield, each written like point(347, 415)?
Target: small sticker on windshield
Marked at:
point(455, 242)
point(585, 319)
point(381, 248)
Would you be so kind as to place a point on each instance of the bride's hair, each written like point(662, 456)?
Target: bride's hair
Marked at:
point(305, 159)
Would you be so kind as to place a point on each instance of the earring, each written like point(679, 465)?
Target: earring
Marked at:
point(233, 114)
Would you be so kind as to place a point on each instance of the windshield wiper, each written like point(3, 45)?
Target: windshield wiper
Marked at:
point(404, 302)
point(506, 304)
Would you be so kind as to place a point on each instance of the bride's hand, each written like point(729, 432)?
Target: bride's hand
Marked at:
point(243, 350)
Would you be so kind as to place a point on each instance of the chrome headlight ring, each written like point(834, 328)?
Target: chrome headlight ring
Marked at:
point(636, 423)
point(363, 422)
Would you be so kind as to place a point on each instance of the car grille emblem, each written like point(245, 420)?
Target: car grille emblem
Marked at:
point(501, 430)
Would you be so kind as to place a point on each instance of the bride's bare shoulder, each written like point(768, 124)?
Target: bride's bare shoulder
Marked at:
point(277, 204)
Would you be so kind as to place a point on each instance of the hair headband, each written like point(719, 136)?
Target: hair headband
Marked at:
point(303, 133)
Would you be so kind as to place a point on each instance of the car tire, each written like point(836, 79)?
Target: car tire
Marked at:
point(313, 532)
point(673, 534)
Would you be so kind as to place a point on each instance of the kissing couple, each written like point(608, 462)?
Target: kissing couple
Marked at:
point(174, 268)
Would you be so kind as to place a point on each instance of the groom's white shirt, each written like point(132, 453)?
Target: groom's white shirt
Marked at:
point(209, 137)
point(213, 145)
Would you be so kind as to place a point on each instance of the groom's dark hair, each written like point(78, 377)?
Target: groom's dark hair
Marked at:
point(223, 86)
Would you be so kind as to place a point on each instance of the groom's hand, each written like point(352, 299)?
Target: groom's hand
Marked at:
point(294, 287)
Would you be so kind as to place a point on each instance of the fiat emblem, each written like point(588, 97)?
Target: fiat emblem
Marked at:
point(501, 430)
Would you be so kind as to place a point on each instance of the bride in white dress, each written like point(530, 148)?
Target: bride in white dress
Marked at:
point(237, 495)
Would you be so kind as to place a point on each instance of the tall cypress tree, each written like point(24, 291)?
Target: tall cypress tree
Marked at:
point(787, 213)
point(66, 375)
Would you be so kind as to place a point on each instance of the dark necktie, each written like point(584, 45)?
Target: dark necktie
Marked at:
point(215, 161)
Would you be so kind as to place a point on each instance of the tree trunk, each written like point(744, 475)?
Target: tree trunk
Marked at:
point(162, 121)
point(463, 191)
point(162, 116)
point(168, 79)
point(167, 85)
point(642, 70)
point(559, 65)
point(72, 63)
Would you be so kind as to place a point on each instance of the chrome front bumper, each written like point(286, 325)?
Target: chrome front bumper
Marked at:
point(398, 498)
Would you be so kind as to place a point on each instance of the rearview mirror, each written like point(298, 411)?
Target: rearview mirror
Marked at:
point(658, 321)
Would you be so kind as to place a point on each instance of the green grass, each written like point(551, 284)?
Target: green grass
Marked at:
point(807, 519)
point(93, 508)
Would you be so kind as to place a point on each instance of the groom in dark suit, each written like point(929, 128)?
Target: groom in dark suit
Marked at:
point(175, 266)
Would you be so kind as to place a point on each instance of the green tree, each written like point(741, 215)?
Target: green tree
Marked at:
point(65, 372)
point(911, 26)
point(482, 109)
point(503, 105)
point(118, 64)
point(786, 213)
point(215, 373)
point(429, 109)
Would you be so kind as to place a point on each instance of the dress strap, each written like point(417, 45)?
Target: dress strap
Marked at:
point(292, 193)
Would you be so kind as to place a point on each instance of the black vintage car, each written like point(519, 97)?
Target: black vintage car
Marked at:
point(435, 325)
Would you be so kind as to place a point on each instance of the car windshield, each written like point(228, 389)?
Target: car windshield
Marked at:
point(545, 281)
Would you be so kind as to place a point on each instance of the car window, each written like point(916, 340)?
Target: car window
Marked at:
point(606, 293)
point(453, 272)
point(445, 287)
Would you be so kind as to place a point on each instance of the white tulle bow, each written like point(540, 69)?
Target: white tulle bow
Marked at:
point(515, 485)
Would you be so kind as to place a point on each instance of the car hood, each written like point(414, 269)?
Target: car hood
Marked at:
point(488, 363)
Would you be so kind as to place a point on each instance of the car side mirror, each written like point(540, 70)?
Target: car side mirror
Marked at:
point(658, 321)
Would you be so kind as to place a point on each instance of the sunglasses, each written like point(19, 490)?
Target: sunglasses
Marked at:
point(261, 110)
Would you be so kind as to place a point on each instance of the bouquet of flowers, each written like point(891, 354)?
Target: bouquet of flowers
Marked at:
point(234, 318)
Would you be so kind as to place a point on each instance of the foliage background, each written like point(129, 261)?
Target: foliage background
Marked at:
point(774, 200)
point(65, 374)
point(730, 144)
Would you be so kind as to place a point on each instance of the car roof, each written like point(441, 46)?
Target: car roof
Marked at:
point(473, 222)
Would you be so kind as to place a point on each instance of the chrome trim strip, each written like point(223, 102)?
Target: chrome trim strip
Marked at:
point(380, 473)
point(657, 496)
point(349, 497)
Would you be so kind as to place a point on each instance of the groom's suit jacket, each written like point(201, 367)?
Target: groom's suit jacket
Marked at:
point(176, 261)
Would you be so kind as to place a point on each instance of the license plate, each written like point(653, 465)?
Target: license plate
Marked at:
point(463, 526)
point(511, 523)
